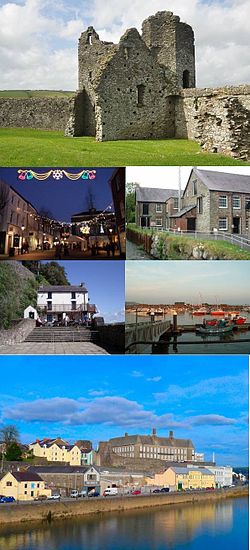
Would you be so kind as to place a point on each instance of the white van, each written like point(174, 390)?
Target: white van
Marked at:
point(110, 492)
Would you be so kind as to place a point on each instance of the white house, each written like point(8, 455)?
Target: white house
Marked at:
point(30, 313)
point(223, 475)
point(60, 302)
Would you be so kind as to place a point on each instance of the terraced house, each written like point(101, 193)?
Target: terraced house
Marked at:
point(58, 450)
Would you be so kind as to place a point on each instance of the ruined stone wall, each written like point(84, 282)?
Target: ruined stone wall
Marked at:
point(45, 113)
point(172, 44)
point(132, 96)
point(219, 119)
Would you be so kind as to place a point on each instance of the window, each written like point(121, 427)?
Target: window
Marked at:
point(200, 205)
point(176, 203)
point(223, 202)
point(158, 222)
point(73, 295)
point(49, 306)
point(236, 202)
point(145, 209)
point(140, 94)
point(49, 295)
point(159, 208)
point(186, 79)
point(73, 305)
point(223, 224)
point(195, 187)
point(9, 484)
point(26, 485)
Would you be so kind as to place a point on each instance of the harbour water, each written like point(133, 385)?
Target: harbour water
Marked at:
point(199, 344)
point(216, 525)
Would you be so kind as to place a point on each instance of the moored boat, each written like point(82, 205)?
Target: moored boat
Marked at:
point(214, 329)
point(217, 312)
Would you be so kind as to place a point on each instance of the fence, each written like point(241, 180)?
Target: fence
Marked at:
point(140, 239)
point(238, 240)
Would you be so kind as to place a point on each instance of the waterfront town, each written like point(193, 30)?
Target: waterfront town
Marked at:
point(29, 232)
point(126, 465)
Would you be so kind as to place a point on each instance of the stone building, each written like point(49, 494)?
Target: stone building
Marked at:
point(153, 206)
point(214, 201)
point(152, 447)
point(64, 478)
point(142, 88)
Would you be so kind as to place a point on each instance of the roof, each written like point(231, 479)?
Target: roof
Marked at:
point(183, 470)
point(221, 181)
point(60, 469)
point(183, 211)
point(26, 476)
point(49, 441)
point(61, 288)
point(150, 440)
point(154, 194)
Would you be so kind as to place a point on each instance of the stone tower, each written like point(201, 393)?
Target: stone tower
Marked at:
point(172, 44)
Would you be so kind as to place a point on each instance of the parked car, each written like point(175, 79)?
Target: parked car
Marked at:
point(74, 494)
point(7, 499)
point(209, 488)
point(83, 493)
point(41, 497)
point(136, 492)
point(156, 490)
point(54, 497)
point(93, 494)
point(110, 492)
point(164, 490)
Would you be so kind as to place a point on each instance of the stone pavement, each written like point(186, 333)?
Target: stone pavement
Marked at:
point(54, 348)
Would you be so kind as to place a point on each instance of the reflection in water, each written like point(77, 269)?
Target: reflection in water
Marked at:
point(184, 526)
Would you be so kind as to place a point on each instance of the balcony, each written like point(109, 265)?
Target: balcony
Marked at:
point(62, 308)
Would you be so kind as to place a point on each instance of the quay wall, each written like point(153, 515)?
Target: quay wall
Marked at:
point(49, 510)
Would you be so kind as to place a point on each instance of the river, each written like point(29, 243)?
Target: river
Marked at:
point(199, 344)
point(208, 526)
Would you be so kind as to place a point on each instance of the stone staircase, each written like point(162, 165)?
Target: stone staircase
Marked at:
point(62, 334)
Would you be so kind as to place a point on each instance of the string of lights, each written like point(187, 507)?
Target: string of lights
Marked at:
point(56, 174)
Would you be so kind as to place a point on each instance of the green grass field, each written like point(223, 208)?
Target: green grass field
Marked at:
point(22, 94)
point(26, 147)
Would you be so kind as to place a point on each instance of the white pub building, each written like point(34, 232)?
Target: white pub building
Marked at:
point(58, 303)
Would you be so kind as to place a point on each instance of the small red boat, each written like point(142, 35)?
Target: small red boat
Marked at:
point(218, 312)
point(240, 320)
point(212, 323)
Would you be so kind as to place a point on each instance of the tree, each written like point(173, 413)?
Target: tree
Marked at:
point(13, 452)
point(9, 434)
point(130, 202)
point(54, 273)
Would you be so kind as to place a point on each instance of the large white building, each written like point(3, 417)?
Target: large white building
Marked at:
point(223, 475)
point(59, 302)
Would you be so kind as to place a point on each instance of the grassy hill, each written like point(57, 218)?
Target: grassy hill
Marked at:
point(22, 94)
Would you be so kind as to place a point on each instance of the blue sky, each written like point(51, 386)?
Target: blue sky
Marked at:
point(167, 282)
point(63, 198)
point(41, 52)
point(201, 398)
point(105, 283)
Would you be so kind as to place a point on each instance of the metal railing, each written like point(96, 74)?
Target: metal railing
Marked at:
point(233, 238)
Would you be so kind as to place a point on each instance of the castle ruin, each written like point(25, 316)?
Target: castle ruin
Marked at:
point(142, 88)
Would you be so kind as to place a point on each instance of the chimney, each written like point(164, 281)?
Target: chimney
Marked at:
point(171, 434)
point(154, 431)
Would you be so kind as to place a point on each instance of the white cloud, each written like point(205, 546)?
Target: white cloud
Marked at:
point(38, 39)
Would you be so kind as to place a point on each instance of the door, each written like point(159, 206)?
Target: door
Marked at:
point(236, 225)
point(144, 221)
point(191, 224)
